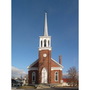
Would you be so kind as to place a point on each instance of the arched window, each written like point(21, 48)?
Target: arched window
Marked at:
point(33, 76)
point(48, 43)
point(41, 43)
point(45, 43)
point(56, 76)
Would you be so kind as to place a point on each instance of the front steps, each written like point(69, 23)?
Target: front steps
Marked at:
point(41, 86)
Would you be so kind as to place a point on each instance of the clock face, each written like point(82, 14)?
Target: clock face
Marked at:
point(44, 55)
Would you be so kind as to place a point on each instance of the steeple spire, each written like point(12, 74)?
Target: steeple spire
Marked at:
point(45, 40)
point(45, 26)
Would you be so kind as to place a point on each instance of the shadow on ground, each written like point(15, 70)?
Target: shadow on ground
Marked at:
point(49, 89)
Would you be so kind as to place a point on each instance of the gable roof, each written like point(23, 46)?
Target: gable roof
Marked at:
point(57, 63)
point(38, 60)
point(32, 64)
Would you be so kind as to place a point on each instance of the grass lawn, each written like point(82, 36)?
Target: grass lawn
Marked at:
point(25, 87)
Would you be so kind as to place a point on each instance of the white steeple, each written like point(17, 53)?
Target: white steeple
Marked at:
point(45, 26)
point(45, 41)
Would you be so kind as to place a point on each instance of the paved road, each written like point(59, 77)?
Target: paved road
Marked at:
point(48, 89)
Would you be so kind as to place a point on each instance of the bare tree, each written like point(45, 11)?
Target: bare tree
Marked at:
point(73, 76)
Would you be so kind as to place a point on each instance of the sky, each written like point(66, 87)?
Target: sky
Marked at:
point(28, 25)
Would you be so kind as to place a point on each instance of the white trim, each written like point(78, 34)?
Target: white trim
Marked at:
point(32, 68)
point(45, 48)
point(56, 68)
point(58, 63)
point(45, 37)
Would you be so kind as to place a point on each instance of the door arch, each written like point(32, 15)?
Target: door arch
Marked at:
point(44, 75)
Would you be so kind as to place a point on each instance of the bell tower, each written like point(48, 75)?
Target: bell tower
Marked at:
point(45, 55)
point(45, 40)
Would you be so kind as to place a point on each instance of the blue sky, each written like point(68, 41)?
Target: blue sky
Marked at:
point(28, 25)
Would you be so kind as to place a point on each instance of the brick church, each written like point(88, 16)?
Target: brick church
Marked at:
point(45, 69)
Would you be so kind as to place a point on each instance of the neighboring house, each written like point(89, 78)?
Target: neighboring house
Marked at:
point(25, 82)
point(45, 69)
point(16, 83)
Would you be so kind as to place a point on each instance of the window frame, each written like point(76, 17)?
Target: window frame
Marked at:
point(34, 74)
point(56, 74)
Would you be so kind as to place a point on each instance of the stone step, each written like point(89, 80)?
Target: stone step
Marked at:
point(42, 86)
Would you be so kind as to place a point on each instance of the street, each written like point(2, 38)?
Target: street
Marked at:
point(62, 88)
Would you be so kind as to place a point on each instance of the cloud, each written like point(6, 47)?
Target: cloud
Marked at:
point(65, 75)
point(16, 72)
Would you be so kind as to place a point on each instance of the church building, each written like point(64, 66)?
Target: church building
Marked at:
point(45, 69)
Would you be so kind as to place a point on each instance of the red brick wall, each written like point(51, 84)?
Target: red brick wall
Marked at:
point(53, 64)
point(60, 73)
point(30, 76)
point(53, 76)
point(45, 62)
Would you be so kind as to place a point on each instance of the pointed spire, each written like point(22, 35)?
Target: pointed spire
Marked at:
point(45, 26)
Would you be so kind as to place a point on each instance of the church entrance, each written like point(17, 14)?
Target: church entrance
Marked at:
point(44, 75)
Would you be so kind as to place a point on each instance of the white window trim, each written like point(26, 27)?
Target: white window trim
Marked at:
point(34, 73)
point(55, 76)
